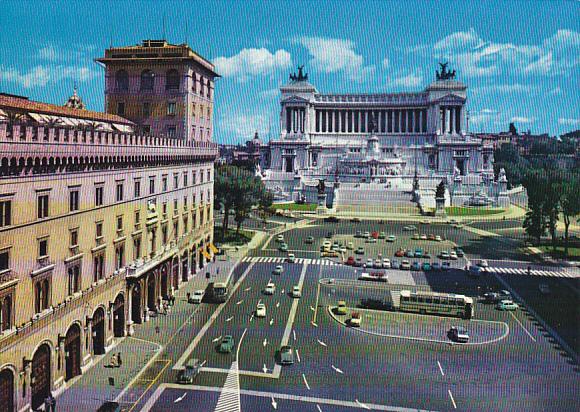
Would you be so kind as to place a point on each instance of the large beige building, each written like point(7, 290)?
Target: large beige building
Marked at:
point(98, 225)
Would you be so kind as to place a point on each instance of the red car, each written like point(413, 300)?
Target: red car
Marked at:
point(400, 253)
point(431, 237)
point(350, 261)
point(375, 235)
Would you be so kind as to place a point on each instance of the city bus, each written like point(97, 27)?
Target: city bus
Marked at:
point(218, 291)
point(434, 303)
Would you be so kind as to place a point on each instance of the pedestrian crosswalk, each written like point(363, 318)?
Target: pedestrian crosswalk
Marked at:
point(271, 259)
point(533, 272)
point(229, 400)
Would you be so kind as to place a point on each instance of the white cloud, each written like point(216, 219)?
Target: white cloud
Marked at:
point(252, 62)
point(270, 93)
point(244, 125)
point(568, 121)
point(336, 55)
point(70, 52)
point(483, 116)
point(476, 57)
point(409, 80)
point(386, 63)
point(522, 119)
point(42, 75)
point(556, 91)
point(48, 53)
point(505, 88)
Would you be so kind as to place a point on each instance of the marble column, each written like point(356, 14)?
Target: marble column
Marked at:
point(400, 116)
point(339, 121)
point(392, 130)
point(359, 128)
point(420, 121)
point(454, 112)
point(326, 129)
point(366, 129)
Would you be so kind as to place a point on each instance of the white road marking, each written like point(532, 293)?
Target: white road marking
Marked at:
point(239, 302)
point(452, 400)
point(274, 404)
point(216, 339)
point(305, 382)
point(440, 368)
point(252, 317)
point(321, 342)
point(265, 342)
point(318, 407)
point(298, 356)
point(277, 304)
point(265, 369)
point(294, 334)
point(271, 321)
point(312, 309)
point(182, 397)
point(337, 370)
point(247, 289)
point(523, 327)
point(229, 319)
point(362, 405)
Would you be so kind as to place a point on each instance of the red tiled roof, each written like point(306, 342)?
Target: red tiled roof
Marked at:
point(22, 104)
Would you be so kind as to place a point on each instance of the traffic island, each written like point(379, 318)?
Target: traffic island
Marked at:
point(416, 327)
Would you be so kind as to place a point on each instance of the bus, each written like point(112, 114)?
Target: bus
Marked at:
point(434, 303)
point(218, 291)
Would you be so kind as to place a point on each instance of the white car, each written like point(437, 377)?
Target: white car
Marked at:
point(405, 265)
point(453, 255)
point(261, 310)
point(378, 264)
point(291, 258)
point(444, 255)
point(270, 289)
point(197, 296)
point(438, 238)
point(483, 263)
point(386, 263)
point(369, 263)
point(280, 238)
point(296, 292)
point(350, 246)
point(278, 270)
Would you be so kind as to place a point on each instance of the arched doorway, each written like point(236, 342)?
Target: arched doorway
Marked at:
point(164, 282)
point(136, 304)
point(175, 272)
point(72, 352)
point(192, 263)
point(119, 316)
point(184, 269)
point(199, 256)
point(40, 377)
point(7, 390)
point(151, 295)
point(99, 332)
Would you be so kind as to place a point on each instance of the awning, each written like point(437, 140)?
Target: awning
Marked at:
point(205, 254)
point(3, 113)
point(122, 128)
point(213, 248)
point(37, 117)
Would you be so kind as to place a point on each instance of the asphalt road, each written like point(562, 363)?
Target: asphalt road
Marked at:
point(341, 368)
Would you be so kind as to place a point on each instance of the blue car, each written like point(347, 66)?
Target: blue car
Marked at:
point(416, 266)
point(418, 252)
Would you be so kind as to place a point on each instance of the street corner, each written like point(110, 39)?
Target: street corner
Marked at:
point(426, 328)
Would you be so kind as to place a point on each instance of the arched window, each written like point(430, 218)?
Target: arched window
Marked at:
point(172, 80)
point(147, 80)
point(122, 80)
point(208, 89)
point(6, 314)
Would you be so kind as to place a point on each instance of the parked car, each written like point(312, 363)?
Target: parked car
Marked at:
point(438, 238)
point(431, 237)
point(341, 308)
point(331, 219)
point(375, 235)
point(366, 234)
point(416, 236)
point(416, 266)
point(544, 289)
point(350, 246)
point(426, 255)
point(227, 344)
point(358, 234)
point(370, 239)
point(418, 252)
point(409, 228)
point(395, 264)
point(459, 252)
point(391, 238)
point(444, 254)
point(329, 235)
point(280, 238)
point(382, 235)
point(474, 270)
point(270, 289)
point(458, 334)
point(409, 253)
point(331, 253)
point(426, 266)
point(386, 263)
point(507, 305)
point(445, 266)
point(423, 237)
point(286, 355)
point(360, 251)
point(453, 255)
point(369, 263)
point(378, 264)
point(405, 265)
point(400, 253)
point(309, 240)
point(110, 406)
point(197, 296)
point(358, 262)
point(296, 292)
point(436, 266)
point(483, 263)
point(278, 270)
point(350, 261)
point(355, 319)
point(261, 310)
point(283, 247)
point(291, 258)
point(355, 220)
point(374, 276)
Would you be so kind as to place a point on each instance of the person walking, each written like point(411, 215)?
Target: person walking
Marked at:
point(119, 361)
point(47, 403)
point(52, 402)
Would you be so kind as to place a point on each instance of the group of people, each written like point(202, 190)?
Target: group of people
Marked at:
point(50, 403)
point(116, 361)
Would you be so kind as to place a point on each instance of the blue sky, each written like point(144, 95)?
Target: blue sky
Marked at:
point(520, 60)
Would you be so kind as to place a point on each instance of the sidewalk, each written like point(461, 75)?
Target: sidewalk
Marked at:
point(88, 391)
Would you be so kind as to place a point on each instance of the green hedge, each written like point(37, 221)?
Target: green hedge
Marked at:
point(472, 211)
point(302, 207)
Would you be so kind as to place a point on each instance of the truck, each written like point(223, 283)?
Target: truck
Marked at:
point(218, 291)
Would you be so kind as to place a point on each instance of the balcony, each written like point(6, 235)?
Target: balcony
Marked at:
point(74, 250)
point(7, 278)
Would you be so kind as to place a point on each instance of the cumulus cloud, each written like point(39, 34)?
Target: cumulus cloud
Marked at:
point(522, 119)
point(42, 75)
point(476, 57)
point(407, 80)
point(336, 55)
point(483, 116)
point(252, 63)
point(386, 63)
point(568, 121)
point(505, 88)
point(244, 125)
point(52, 52)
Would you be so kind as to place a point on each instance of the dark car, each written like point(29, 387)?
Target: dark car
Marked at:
point(109, 406)
point(192, 369)
point(329, 235)
point(331, 219)
point(458, 334)
point(355, 220)
point(286, 355)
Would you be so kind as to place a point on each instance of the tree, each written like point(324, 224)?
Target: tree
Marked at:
point(513, 131)
point(440, 191)
point(551, 203)
point(570, 204)
point(535, 221)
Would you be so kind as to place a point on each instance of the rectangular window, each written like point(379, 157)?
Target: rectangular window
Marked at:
point(73, 200)
point(119, 257)
point(176, 229)
point(121, 108)
point(4, 260)
point(164, 183)
point(119, 223)
point(137, 189)
point(175, 180)
point(42, 206)
point(99, 229)
point(194, 177)
point(99, 196)
point(137, 219)
point(171, 109)
point(98, 267)
point(184, 202)
point(171, 130)
point(74, 237)
point(164, 234)
point(74, 279)
point(5, 213)
point(146, 109)
point(185, 179)
point(119, 192)
point(174, 206)
point(151, 185)
point(164, 210)
point(42, 247)
point(137, 248)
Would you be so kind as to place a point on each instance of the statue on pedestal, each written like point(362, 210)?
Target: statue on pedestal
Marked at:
point(321, 186)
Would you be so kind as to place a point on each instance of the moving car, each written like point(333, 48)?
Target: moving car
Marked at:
point(391, 238)
point(291, 258)
point(261, 310)
point(425, 222)
point(382, 235)
point(370, 239)
point(286, 355)
point(355, 319)
point(409, 228)
point(459, 252)
point(192, 369)
point(280, 238)
point(341, 308)
point(373, 276)
point(227, 344)
point(309, 240)
point(355, 220)
point(483, 263)
point(544, 289)
point(405, 265)
point(507, 305)
point(360, 251)
point(458, 334)
point(278, 270)
point(474, 270)
point(283, 247)
point(494, 297)
point(453, 255)
point(270, 289)
point(197, 296)
point(296, 292)
point(331, 219)
point(444, 254)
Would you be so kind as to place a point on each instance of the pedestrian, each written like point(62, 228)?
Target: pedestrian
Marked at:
point(188, 297)
point(119, 361)
point(52, 403)
point(47, 402)
point(157, 330)
point(113, 362)
point(217, 271)
point(529, 270)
